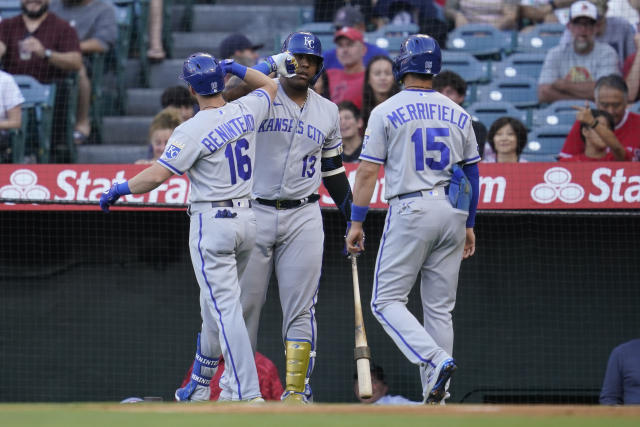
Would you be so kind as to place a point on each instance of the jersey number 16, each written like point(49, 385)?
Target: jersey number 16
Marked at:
point(242, 161)
point(432, 145)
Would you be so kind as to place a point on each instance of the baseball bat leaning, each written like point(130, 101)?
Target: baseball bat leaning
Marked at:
point(361, 353)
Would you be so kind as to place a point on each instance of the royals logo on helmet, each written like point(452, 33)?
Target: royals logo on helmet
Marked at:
point(308, 42)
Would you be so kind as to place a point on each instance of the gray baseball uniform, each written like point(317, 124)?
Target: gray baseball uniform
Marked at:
point(418, 135)
point(216, 149)
point(291, 143)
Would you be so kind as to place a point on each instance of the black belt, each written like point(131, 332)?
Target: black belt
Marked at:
point(419, 193)
point(288, 204)
point(230, 204)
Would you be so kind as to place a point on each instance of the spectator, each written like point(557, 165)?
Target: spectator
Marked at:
point(507, 138)
point(156, 51)
point(614, 31)
point(322, 85)
point(379, 85)
point(631, 71)
point(380, 390)
point(570, 70)
point(351, 125)
point(11, 100)
point(454, 87)
point(180, 98)
point(268, 377)
point(350, 16)
point(627, 9)
point(239, 48)
point(325, 10)
point(502, 14)
point(611, 95)
point(95, 23)
point(621, 385)
point(600, 144)
point(539, 11)
point(346, 84)
point(160, 130)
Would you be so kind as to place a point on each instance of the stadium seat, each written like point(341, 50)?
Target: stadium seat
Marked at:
point(545, 141)
point(38, 112)
point(541, 38)
point(323, 30)
point(481, 40)
point(489, 112)
point(522, 92)
point(558, 113)
point(519, 65)
point(9, 8)
point(466, 65)
point(391, 36)
point(17, 138)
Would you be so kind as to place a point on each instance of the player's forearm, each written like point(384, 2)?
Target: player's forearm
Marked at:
point(340, 191)
point(149, 179)
point(234, 89)
point(366, 178)
point(611, 140)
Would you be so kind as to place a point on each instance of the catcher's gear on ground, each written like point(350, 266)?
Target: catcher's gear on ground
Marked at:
point(419, 54)
point(460, 191)
point(305, 43)
point(203, 73)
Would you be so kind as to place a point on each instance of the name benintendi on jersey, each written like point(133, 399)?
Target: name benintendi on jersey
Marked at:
point(228, 131)
point(427, 111)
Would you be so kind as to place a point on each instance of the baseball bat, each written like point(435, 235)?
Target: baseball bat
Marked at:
point(361, 353)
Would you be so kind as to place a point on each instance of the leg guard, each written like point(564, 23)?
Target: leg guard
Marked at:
point(298, 355)
point(198, 387)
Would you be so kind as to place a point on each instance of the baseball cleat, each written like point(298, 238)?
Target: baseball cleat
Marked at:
point(258, 399)
point(438, 391)
point(290, 396)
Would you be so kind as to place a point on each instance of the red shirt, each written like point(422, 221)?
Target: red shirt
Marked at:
point(345, 87)
point(270, 385)
point(609, 157)
point(54, 33)
point(627, 132)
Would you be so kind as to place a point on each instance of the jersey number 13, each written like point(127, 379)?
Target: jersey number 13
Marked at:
point(432, 145)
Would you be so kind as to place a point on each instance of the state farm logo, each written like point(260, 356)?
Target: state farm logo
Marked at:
point(557, 185)
point(24, 185)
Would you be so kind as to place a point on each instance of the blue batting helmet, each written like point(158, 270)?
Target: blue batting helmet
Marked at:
point(203, 73)
point(419, 54)
point(305, 43)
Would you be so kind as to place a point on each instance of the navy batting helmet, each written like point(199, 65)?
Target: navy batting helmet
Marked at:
point(203, 73)
point(419, 54)
point(303, 42)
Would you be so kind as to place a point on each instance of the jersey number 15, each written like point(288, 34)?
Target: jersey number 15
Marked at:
point(432, 145)
point(242, 161)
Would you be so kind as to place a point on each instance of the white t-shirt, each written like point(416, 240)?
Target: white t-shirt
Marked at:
point(10, 95)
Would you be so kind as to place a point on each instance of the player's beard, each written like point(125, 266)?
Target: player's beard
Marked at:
point(34, 14)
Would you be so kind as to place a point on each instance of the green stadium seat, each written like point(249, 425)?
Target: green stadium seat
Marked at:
point(558, 113)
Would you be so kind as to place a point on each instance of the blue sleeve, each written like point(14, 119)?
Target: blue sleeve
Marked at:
point(611, 393)
point(473, 175)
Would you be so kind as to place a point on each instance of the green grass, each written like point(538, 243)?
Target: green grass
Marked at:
point(142, 415)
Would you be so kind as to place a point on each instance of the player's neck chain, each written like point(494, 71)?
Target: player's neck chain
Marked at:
point(213, 106)
point(418, 87)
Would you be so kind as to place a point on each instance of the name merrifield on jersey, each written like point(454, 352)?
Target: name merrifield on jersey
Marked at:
point(428, 111)
point(227, 131)
point(286, 125)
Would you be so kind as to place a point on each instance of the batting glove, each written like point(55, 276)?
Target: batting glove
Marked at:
point(110, 196)
point(283, 63)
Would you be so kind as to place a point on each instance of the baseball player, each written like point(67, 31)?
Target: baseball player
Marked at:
point(428, 148)
point(216, 149)
point(302, 146)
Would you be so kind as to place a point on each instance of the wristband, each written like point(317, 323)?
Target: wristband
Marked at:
point(238, 70)
point(123, 188)
point(265, 67)
point(358, 213)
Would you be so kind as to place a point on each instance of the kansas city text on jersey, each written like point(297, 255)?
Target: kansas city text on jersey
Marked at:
point(286, 125)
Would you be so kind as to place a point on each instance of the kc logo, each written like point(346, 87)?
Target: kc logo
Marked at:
point(308, 42)
point(557, 185)
point(24, 186)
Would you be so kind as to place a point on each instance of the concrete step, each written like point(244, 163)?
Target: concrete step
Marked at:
point(250, 19)
point(166, 73)
point(111, 153)
point(143, 102)
point(126, 130)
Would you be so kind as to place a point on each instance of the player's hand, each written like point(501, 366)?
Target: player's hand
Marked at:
point(355, 238)
point(469, 244)
point(109, 197)
point(226, 65)
point(584, 114)
point(32, 44)
point(284, 64)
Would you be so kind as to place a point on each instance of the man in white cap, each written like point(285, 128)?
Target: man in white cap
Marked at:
point(570, 70)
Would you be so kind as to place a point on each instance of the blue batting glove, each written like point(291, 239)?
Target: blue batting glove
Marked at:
point(110, 196)
point(232, 67)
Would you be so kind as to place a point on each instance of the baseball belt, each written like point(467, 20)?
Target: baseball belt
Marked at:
point(288, 204)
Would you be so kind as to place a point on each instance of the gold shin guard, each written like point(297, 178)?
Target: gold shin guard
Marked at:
point(298, 354)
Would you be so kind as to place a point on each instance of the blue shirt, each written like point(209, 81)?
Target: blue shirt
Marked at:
point(331, 60)
point(621, 385)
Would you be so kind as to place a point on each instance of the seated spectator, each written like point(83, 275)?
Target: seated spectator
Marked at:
point(539, 11)
point(322, 85)
point(156, 51)
point(507, 138)
point(611, 95)
point(239, 48)
point(627, 9)
point(11, 100)
point(453, 86)
point(268, 377)
point(600, 144)
point(346, 84)
point(179, 97)
point(95, 23)
point(325, 10)
point(570, 70)
point(380, 395)
point(350, 16)
point(502, 14)
point(621, 385)
point(351, 126)
point(631, 72)
point(379, 85)
point(614, 31)
point(161, 128)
